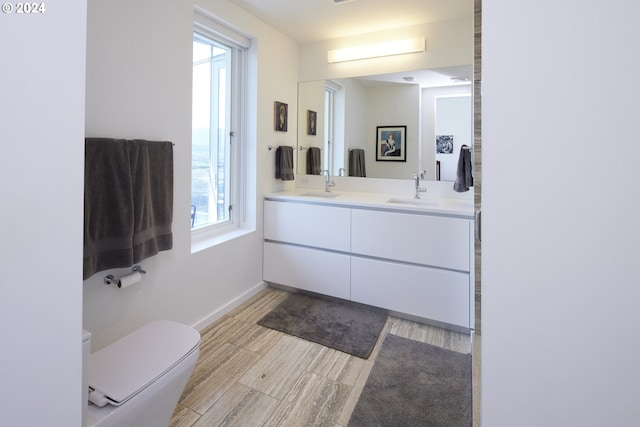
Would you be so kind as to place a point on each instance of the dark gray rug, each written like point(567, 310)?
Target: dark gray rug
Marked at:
point(342, 326)
point(415, 384)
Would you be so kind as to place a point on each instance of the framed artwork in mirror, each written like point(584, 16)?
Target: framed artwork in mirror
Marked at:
point(391, 144)
point(312, 118)
point(444, 144)
point(281, 116)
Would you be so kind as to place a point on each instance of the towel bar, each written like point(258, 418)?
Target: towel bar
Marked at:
point(271, 147)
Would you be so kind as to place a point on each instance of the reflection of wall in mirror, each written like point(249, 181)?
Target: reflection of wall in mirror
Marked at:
point(359, 109)
point(310, 100)
point(392, 106)
point(453, 118)
point(365, 108)
point(441, 121)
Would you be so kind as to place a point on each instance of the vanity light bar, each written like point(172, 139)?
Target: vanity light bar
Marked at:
point(398, 47)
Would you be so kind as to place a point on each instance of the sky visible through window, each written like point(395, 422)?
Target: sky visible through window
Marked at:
point(209, 114)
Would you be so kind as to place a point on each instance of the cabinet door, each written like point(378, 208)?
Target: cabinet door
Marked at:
point(423, 239)
point(309, 269)
point(307, 224)
point(420, 291)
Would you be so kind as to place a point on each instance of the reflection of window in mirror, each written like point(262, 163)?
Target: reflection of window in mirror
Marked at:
point(333, 151)
point(329, 97)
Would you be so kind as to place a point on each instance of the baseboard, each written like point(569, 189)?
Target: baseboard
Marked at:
point(209, 319)
point(399, 314)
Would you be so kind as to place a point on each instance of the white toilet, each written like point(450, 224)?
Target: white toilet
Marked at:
point(138, 380)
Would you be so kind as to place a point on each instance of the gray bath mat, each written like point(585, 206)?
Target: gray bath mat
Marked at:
point(342, 326)
point(415, 384)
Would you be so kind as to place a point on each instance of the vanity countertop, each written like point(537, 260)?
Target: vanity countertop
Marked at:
point(458, 207)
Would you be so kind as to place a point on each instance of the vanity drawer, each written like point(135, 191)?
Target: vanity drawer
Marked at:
point(422, 239)
point(308, 224)
point(420, 291)
point(308, 269)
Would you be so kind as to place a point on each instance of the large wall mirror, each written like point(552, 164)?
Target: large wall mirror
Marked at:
point(338, 116)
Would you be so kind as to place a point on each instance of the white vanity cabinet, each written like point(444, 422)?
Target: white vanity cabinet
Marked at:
point(419, 291)
point(413, 263)
point(406, 237)
point(306, 247)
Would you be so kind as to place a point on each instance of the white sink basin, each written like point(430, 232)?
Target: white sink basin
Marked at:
point(323, 194)
point(414, 202)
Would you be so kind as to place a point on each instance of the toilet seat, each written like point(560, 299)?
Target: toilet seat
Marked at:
point(125, 368)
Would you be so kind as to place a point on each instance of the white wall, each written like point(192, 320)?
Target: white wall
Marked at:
point(449, 43)
point(41, 167)
point(560, 288)
point(139, 86)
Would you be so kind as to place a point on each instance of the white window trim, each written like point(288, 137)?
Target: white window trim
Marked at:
point(238, 225)
point(203, 238)
point(211, 25)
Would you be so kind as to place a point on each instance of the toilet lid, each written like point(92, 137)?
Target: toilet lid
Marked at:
point(123, 369)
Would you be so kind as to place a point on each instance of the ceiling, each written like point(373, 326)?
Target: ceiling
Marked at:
point(307, 21)
point(449, 76)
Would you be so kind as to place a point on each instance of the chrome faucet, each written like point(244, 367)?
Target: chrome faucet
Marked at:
point(416, 178)
point(328, 182)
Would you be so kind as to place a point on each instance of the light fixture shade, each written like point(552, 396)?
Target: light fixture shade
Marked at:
point(397, 47)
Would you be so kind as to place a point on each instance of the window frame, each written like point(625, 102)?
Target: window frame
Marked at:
point(206, 26)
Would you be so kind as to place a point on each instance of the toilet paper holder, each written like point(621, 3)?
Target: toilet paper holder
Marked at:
point(111, 279)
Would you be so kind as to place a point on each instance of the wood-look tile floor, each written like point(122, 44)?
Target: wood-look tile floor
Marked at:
point(248, 375)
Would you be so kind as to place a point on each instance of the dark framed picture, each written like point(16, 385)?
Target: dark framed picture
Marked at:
point(281, 114)
point(444, 144)
point(312, 118)
point(391, 144)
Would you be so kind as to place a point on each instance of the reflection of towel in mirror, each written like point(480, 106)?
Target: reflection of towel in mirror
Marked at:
point(356, 163)
point(284, 163)
point(314, 157)
point(464, 179)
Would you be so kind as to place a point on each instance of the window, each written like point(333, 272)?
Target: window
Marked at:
point(218, 103)
point(334, 127)
point(211, 133)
